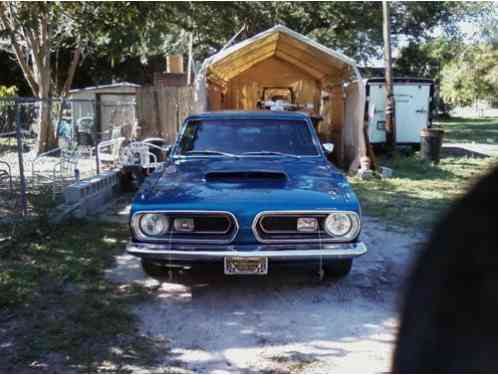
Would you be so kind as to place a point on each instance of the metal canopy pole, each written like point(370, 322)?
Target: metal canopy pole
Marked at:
point(96, 107)
point(24, 201)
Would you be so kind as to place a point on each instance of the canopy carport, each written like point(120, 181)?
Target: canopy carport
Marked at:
point(322, 81)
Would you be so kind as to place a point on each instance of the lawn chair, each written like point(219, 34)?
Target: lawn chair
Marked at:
point(6, 175)
point(108, 152)
point(138, 159)
point(148, 154)
point(85, 135)
point(38, 172)
point(159, 147)
point(56, 168)
point(137, 154)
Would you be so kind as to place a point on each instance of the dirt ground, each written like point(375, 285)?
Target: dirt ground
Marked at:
point(287, 321)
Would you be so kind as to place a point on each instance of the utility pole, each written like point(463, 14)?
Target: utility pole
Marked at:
point(390, 118)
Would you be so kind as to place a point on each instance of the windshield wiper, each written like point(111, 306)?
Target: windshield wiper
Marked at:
point(210, 152)
point(271, 153)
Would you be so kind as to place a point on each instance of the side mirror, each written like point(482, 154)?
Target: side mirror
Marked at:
point(328, 148)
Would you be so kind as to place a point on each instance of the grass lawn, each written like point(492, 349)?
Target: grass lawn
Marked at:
point(419, 193)
point(468, 130)
point(57, 311)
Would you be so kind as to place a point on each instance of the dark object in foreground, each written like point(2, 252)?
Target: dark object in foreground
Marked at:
point(449, 318)
point(431, 141)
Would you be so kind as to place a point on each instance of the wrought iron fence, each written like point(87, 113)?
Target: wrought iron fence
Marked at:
point(31, 180)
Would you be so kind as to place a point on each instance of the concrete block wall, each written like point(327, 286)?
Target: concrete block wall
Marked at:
point(90, 196)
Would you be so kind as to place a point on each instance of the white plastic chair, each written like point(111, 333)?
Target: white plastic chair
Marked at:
point(114, 145)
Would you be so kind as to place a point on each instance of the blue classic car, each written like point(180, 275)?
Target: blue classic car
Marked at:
point(247, 190)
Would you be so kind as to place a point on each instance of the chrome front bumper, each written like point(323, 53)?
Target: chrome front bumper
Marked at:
point(287, 252)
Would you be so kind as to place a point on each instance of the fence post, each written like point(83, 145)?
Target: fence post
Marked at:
point(24, 202)
point(94, 131)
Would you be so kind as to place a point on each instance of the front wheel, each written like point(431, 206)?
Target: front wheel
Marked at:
point(338, 268)
point(132, 178)
point(153, 268)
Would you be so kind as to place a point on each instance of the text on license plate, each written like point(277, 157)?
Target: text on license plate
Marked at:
point(246, 265)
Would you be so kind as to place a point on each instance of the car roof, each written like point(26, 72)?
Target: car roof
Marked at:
point(224, 115)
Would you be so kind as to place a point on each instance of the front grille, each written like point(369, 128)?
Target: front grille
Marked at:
point(209, 227)
point(279, 224)
point(211, 223)
point(275, 227)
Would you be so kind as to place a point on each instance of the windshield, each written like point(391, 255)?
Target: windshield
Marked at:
point(247, 137)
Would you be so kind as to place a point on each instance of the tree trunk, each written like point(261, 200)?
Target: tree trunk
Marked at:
point(46, 132)
point(46, 136)
point(41, 56)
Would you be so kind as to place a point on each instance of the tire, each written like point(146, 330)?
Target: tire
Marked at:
point(131, 179)
point(153, 268)
point(338, 268)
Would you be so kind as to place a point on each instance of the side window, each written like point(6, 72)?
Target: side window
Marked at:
point(188, 137)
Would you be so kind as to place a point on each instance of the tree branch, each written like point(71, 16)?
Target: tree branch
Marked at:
point(71, 71)
point(19, 53)
point(27, 71)
point(45, 74)
point(35, 45)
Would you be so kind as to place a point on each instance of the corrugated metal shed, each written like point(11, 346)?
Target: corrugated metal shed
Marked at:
point(105, 105)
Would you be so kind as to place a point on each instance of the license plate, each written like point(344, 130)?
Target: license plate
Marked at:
point(246, 265)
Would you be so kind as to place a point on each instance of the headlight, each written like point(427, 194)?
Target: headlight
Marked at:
point(340, 224)
point(154, 224)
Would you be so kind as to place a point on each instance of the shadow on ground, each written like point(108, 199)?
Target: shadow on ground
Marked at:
point(458, 152)
point(286, 321)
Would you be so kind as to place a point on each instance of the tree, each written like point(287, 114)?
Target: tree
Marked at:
point(30, 29)
point(426, 60)
point(472, 76)
point(355, 28)
point(37, 33)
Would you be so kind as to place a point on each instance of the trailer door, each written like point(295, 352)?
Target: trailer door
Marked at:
point(412, 111)
point(376, 113)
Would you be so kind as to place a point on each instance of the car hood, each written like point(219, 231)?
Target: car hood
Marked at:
point(248, 184)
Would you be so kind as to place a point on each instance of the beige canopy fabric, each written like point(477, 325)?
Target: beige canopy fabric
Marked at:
point(236, 77)
point(279, 42)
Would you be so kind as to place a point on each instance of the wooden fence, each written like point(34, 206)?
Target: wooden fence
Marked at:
point(162, 109)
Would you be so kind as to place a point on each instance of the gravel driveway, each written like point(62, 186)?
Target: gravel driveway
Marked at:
point(287, 321)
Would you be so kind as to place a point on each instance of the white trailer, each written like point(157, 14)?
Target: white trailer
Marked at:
point(413, 98)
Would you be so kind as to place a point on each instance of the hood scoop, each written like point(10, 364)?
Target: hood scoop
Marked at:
point(244, 176)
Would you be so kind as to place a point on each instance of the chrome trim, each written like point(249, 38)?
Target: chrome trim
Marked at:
point(327, 239)
point(339, 250)
point(134, 224)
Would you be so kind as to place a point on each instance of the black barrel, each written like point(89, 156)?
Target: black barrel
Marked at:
point(431, 141)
